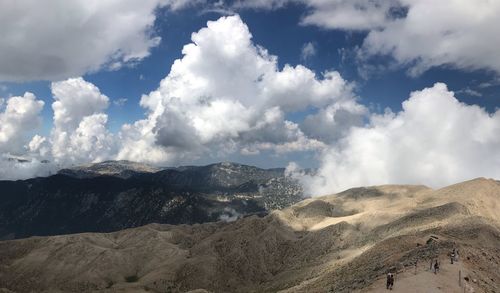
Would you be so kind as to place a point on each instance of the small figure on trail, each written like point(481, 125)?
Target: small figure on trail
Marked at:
point(452, 256)
point(390, 281)
point(436, 267)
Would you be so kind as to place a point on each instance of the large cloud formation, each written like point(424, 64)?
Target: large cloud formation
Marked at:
point(20, 117)
point(462, 33)
point(434, 140)
point(18, 120)
point(227, 94)
point(420, 34)
point(80, 134)
point(55, 39)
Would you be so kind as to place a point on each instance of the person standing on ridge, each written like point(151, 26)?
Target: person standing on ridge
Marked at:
point(390, 281)
point(436, 267)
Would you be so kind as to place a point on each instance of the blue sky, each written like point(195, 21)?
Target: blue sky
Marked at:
point(379, 58)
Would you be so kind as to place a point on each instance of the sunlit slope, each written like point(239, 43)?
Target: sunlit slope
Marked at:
point(338, 243)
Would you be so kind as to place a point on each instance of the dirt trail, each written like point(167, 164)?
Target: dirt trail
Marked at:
point(426, 281)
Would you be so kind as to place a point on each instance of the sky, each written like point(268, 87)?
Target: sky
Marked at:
point(365, 92)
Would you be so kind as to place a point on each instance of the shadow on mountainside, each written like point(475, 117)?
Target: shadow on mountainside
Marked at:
point(294, 250)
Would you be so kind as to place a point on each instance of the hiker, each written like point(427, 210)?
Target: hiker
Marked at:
point(436, 267)
point(390, 281)
point(452, 256)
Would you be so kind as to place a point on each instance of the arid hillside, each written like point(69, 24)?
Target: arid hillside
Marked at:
point(345, 242)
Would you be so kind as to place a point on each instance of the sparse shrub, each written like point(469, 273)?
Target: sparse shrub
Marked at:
point(131, 279)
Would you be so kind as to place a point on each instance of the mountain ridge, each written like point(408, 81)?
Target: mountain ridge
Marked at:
point(126, 168)
point(104, 202)
point(335, 243)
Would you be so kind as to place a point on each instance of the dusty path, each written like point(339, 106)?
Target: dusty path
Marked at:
point(425, 281)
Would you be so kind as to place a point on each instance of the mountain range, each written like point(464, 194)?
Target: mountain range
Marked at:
point(346, 242)
point(116, 195)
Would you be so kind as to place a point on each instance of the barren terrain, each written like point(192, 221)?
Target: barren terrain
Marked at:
point(339, 243)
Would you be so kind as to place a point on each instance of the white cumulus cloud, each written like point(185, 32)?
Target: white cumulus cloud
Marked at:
point(456, 33)
point(20, 117)
point(56, 39)
point(434, 140)
point(80, 134)
point(227, 94)
point(418, 34)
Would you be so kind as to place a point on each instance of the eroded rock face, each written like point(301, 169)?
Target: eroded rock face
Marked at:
point(115, 195)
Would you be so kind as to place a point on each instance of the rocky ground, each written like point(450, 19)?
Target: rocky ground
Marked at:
point(340, 243)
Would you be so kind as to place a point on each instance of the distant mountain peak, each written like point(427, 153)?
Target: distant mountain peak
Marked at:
point(122, 168)
point(113, 195)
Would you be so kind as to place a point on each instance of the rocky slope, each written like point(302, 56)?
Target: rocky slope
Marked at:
point(340, 243)
point(111, 196)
